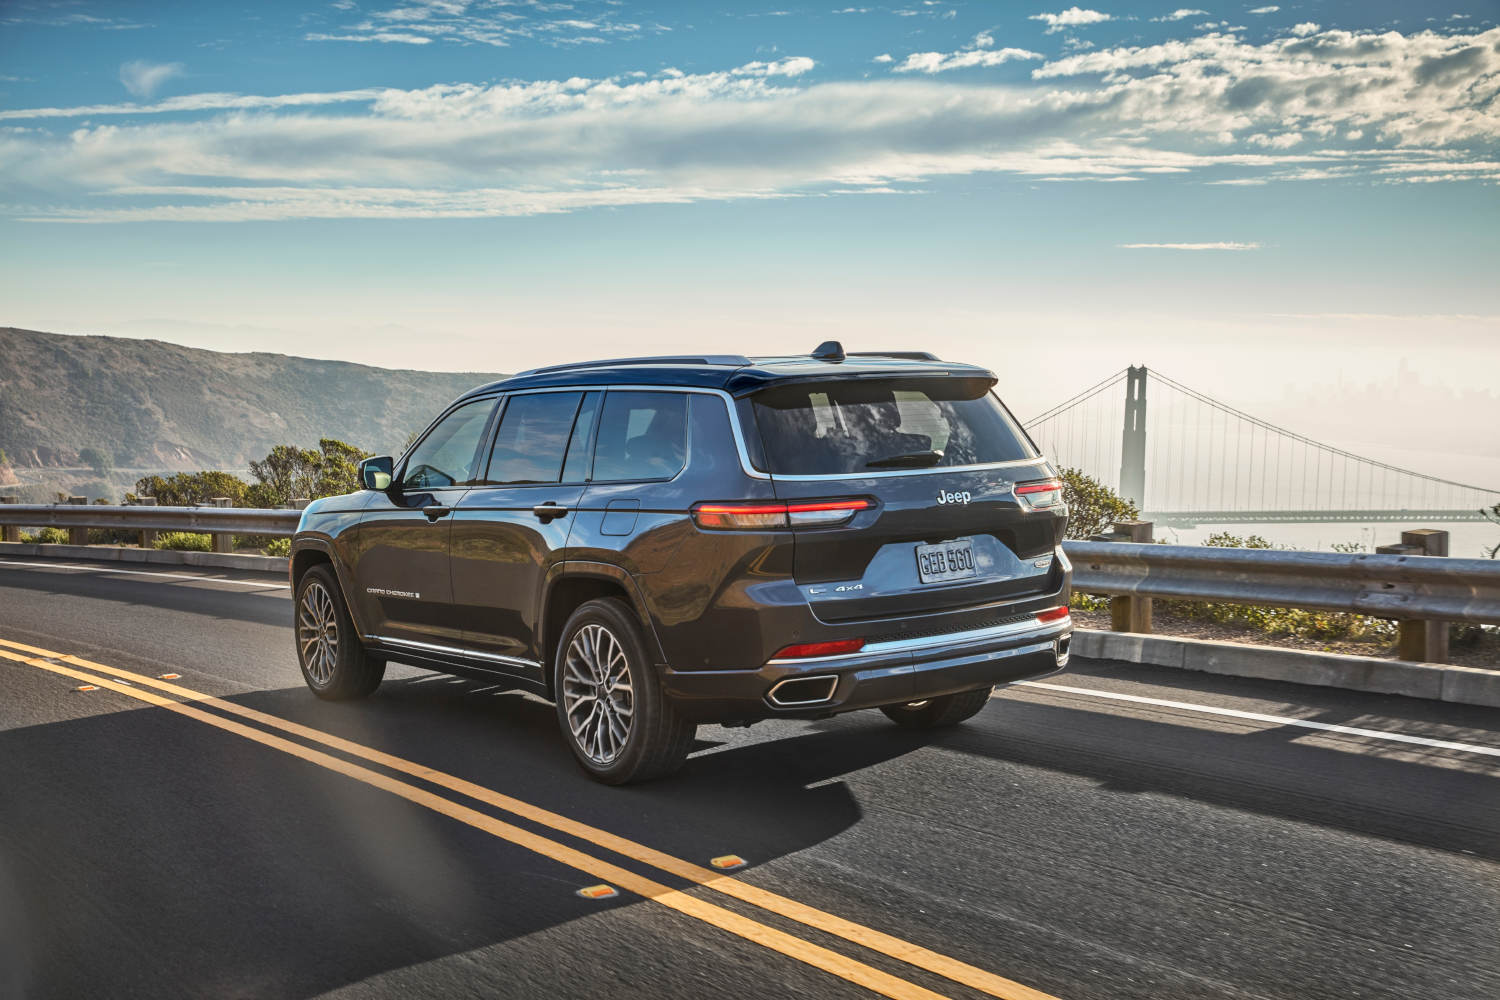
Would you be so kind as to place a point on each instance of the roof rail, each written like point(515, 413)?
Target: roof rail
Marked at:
point(731, 360)
point(904, 355)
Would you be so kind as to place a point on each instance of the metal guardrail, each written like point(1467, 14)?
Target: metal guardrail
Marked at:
point(210, 520)
point(1383, 586)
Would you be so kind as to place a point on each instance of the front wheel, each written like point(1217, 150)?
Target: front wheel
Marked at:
point(333, 660)
point(935, 713)
point(614, 716)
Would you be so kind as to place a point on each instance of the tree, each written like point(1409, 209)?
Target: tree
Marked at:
point(1092, 506)
point(289, 472)
point(4, 459)
point(97, 460)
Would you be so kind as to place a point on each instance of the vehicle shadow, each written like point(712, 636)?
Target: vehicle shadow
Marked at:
point(164, 857)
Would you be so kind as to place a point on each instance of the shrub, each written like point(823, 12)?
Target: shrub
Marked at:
point(186, 541)
point(48, 536)
point(1092, 506)
point(277, 547)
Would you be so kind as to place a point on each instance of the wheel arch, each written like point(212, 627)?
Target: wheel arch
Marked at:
point(570, 585)
point(309, 552)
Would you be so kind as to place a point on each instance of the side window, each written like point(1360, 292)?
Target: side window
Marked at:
point(642, 435)
point(445, 455)
point(533, 437)
point(576, 466)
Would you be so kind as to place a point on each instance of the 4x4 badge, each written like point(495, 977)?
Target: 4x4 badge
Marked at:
point(945, 497)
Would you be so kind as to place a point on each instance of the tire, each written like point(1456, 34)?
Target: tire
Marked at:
point(601, 644)
point(333, 660)
point(935, 713)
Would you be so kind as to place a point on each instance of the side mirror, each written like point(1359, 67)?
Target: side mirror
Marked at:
point(375, 473)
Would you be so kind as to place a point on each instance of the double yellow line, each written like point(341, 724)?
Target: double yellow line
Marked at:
point(176, 698)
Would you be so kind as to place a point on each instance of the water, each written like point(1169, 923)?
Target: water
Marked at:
point(1466, 539)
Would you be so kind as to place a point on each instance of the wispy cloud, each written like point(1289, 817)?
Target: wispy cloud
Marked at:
point(481, 22)
point(143, 78)
point(1189, 246)
point(1264, 10)
point(1179, 14)
point(1073, 17)
point(1213, 108)
point(941, 62)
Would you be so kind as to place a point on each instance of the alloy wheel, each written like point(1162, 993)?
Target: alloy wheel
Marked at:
point(318, 633)
point(597, 695)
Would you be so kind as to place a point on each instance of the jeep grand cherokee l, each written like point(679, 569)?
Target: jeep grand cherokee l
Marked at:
point(655, 543)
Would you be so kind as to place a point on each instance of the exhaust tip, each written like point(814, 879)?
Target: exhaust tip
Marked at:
point(1060, 649)
point(797, 692)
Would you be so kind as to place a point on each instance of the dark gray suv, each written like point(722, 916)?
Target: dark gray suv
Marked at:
point(653, 543)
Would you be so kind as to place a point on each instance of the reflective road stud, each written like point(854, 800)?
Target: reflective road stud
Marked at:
point(168, 677)
point(87, 687)
point(599, 892)
point(728, 862)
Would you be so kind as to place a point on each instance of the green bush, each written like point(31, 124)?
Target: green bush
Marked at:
point(48, 536)
point(277, 547)
point(1093, 507)
point(185, 541)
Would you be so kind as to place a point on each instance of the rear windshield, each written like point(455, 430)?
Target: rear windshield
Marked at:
point(882, 425)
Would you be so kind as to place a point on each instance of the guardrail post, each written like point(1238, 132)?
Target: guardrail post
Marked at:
point(148, 535)
point(222, 542)
point(299, 503)
point(10, 532)
point(78, 536)
point(1128, 613)
point(1420, 640)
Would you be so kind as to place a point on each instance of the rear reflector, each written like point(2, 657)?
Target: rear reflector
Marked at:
point(1044, 493)
point(1052, 615)
point(804, 650)
point(760, 516)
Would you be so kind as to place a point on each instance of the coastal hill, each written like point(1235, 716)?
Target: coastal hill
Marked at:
point(149, 404)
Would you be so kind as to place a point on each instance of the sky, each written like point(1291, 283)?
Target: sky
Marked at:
point(1278, 204)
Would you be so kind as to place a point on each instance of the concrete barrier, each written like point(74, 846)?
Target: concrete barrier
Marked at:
point(153, 557)
point(1434, 681)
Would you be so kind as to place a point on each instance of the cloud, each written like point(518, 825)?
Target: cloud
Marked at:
point(884, 57)
point(1213, 108)
point(1264, 10)
point(1189, 246)
point(481, 22)
point(142, 78)
point(941, 62)
point(1073, 17)
point(1179, 14)
point(1304, 29)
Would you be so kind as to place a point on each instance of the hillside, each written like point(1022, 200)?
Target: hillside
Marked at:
point(152, 405)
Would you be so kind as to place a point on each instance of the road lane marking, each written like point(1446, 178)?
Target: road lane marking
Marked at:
point(811, 954)
point(886, 944)
point(1280, 720)
point(140, 572)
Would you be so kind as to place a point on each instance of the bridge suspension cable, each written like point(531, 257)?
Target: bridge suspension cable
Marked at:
point(1203, 456)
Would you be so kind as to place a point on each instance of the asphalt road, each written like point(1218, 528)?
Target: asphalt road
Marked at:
point(1086, 845)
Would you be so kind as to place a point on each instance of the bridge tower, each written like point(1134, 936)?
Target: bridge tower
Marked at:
point(1133, 439)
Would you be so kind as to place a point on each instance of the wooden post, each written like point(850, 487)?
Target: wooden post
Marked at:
point(223, 542)
point(1418, 639)
point(10, 532)
point(1127, 612)
point(148, 535)
point(80, 535)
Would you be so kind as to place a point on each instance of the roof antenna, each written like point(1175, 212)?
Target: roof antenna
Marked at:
point(829, 350)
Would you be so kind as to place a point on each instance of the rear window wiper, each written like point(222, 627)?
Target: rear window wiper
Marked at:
point(913, 460)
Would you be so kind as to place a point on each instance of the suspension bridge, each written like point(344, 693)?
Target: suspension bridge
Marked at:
point(1189, 459)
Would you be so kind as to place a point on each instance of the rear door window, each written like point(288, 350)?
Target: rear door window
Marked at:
point(853, 427)
point(533, 438)
point(642, 435)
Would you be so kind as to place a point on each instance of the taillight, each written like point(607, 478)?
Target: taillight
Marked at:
point(1052, 615)
point(760, 516)
point(1041, 494)
point(804, 650)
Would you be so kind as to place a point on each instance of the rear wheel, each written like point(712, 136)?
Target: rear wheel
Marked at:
point(614, 716)
point(935, 713)
point(333, 660)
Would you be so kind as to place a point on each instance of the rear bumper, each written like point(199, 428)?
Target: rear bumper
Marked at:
point(885, 673)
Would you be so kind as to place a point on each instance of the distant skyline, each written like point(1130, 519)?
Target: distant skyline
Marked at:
point(1261, 199)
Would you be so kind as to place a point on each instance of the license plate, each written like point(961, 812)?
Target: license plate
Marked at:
point(946, 561)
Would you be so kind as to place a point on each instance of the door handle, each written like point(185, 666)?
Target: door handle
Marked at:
point(547, 511)
point(435, 511)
